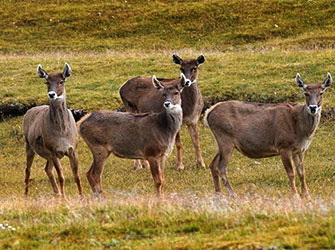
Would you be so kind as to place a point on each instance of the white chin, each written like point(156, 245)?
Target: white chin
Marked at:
point(175, 108)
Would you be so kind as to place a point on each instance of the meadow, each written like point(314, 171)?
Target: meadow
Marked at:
point(247, 58)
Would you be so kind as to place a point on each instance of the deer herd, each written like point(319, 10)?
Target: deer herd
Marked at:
point(156, 110)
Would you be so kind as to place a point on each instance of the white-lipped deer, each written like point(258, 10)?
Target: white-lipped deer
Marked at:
point(147, 136)
point(51, 132)
point(261, 130)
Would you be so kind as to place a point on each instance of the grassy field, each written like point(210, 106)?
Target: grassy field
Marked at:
point(253, 51)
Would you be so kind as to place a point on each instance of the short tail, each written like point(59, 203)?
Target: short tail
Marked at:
point(207, 113)
point(81, 121)
point(204, 119)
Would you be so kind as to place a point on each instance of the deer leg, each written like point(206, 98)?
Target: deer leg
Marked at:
point(193, 130)
point(225, 152)
point(179, 145)
point(157, 174)
point(286, 157)
point(58, 167)
point(74, 166)
point(298, 159)
point(30, 154)
point(215, 174)
point(100, 154)
point(89, 176)
point(48, 169)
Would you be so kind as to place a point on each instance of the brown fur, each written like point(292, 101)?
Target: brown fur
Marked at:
point(51, 132)
point(263, 130)
point(139, 96)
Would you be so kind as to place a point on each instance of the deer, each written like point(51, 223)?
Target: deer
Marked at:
point(149, 136)
point(51, 132)
point(260, 130)
point(139, 96)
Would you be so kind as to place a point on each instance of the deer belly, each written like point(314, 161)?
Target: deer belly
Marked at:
point(131, 149)
point(254, 150)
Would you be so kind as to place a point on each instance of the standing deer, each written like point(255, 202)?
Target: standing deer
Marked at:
point(139, 96)
point(260, 130)
point(51, 132)
point(148, 136)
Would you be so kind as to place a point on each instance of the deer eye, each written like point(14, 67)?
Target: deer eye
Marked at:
point(61, 81)
point(194, 69)
point(321, 93)
point(176, 93)
point(306, 94)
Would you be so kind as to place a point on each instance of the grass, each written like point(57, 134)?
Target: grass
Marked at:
point(266, 76)
point(189, 216)
point(154, 25)
point(253, 51)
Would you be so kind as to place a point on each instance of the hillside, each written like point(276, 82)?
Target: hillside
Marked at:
point(78, 25)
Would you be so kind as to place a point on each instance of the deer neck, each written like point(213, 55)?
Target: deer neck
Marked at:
point(171, 120)
point(59, 115)
point(190, 95)
point(309, 122)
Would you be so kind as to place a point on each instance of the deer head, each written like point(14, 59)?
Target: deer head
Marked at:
point(313, 93)
point(189, 68)
point(55, 82)
point(171, 91)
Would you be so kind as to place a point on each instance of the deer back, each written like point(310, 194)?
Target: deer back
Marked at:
point(129, 135)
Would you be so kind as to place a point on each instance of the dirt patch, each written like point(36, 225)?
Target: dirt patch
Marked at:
point(14, 109)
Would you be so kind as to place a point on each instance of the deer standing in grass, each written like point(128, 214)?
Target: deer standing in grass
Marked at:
point(148, 136)
point(139, 96)
point(51, 132)
point(260, 130)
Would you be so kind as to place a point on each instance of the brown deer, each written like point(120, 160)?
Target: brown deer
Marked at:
point(51, 132)
point(260, 130)
point(148, 136)
point(139, 96)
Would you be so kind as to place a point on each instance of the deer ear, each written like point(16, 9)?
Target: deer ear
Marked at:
point(201, 59)
point(327, 82)
point(300, 82)
point(157, 84)
point(66, 71)
point(182, 81)
point(176, 59)
point(41, 73)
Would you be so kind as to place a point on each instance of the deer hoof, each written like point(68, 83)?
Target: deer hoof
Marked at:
point(136, 165)
point(145, 164)
point(201, 164)
point(180, 167)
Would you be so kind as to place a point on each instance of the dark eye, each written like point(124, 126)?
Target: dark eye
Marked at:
point(306, 94)
point(194, 69)
point(176, 93)
point(321, 93)
point(61, 81)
